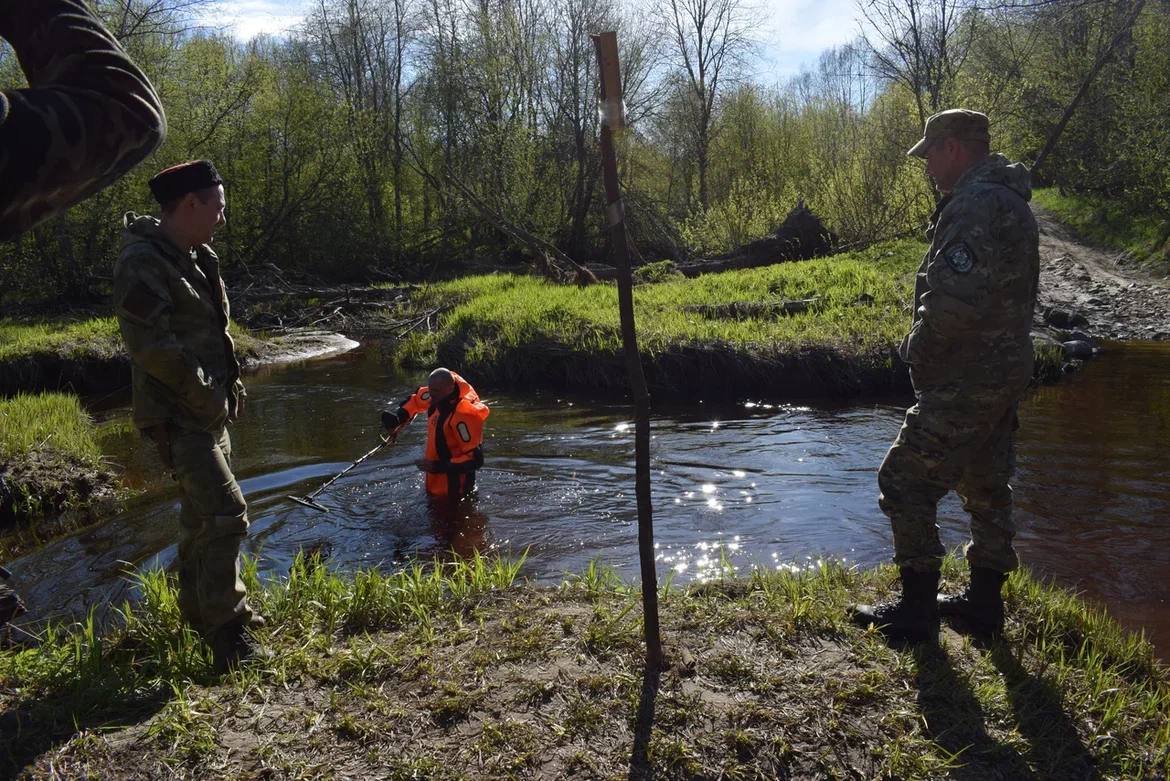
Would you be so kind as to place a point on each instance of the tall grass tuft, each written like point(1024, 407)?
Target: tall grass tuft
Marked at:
point(96, 337)
point(312, 596)
point(54, 421)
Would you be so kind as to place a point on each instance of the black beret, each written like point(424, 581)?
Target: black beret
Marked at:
point(178, 180)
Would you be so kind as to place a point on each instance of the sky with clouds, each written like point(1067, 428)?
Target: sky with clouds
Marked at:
point(792, 36)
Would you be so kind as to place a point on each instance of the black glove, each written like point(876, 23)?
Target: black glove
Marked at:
point(389, 421)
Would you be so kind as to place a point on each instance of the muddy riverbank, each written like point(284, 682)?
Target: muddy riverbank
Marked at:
point(456, 672)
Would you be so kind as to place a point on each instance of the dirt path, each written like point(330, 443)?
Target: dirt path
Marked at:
point(1118, 302)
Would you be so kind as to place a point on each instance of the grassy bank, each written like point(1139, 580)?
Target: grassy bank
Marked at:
point(457, 673)
point(1113, 225)
point(47, 421)
point(85, 356)
point(715, 335)
point(93, 338)
point(52, 478)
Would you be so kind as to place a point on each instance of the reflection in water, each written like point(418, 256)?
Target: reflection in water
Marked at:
point(460, 529)
point(754, 484)
point(1093, 489)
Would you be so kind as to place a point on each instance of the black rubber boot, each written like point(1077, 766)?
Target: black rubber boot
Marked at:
point(232, 645)
point(980, 606)
point(914, 617)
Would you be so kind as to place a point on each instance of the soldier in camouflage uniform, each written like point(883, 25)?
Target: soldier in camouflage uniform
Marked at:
point(88, 116)
point(970, 356)
point(173, 314)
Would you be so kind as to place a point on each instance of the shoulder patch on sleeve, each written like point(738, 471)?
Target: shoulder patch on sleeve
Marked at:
point(959, 257)
point(141, 302)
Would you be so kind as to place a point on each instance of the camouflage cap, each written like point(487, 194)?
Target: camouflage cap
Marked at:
point(960, 123)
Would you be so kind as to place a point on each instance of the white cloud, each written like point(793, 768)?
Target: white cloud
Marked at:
point(795, 32)
point(792, 35)
point(246, 19)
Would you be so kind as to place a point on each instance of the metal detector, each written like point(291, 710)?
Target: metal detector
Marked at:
point(307, 501)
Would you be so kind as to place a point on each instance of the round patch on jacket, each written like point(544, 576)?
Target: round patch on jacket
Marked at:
point(959, 257)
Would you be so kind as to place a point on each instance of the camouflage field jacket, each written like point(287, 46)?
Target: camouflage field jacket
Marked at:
point(173, 313)
point(976, 288)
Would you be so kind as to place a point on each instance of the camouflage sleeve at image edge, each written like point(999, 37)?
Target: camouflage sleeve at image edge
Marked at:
point(88, 115)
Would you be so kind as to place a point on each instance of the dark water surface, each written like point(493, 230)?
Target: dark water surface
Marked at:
point(774, 485)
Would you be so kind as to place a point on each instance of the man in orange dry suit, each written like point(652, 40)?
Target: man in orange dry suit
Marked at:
point(455, 418)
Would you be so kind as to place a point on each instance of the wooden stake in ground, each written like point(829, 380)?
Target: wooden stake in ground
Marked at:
point(611, 122)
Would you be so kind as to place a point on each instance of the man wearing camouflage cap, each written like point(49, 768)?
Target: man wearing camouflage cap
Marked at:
point(173, 313)
point(970, 356)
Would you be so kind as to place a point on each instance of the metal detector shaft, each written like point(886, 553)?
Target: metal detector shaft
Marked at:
point(308, 500)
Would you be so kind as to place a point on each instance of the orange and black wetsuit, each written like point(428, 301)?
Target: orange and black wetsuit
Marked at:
point(454, 437)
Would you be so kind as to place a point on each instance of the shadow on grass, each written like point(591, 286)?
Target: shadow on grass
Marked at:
point(30, 728)
point(955, 720)
point(640, 766)
point(75, 683)
point(1055, 747)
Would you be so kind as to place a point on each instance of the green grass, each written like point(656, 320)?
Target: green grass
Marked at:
point(249, 344)
point(454, 671)
point(1049, 357)
point(55, 477)
point(54, 421)
point(510, 328)
point(1112, 224)
point(96, 337)
point(49, 452)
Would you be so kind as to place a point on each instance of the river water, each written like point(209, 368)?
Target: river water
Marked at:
point(756, 483)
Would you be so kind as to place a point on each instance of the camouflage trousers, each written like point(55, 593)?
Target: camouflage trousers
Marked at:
point(213, 523)
point(962, 441)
